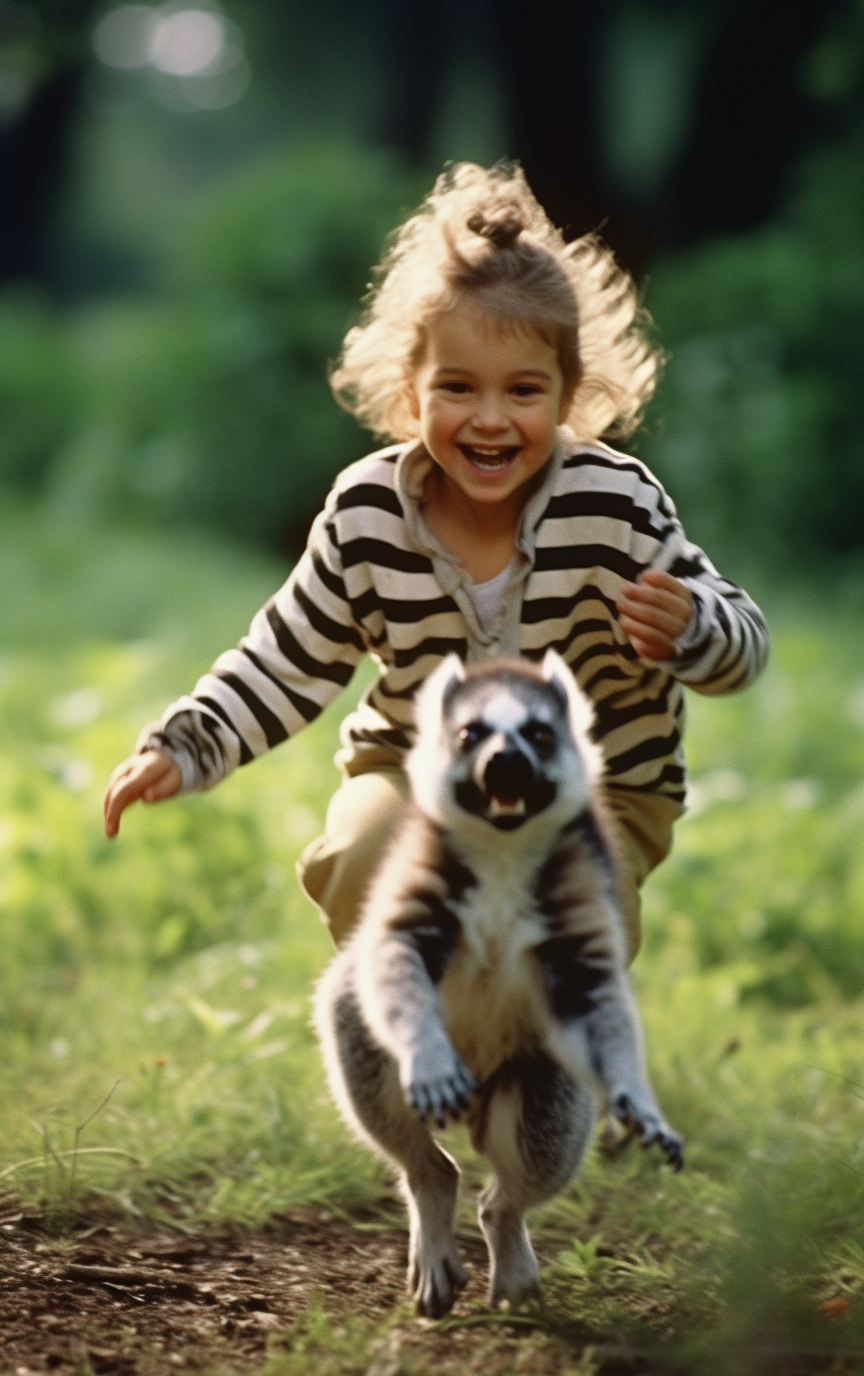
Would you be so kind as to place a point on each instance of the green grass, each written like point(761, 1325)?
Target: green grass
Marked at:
point(178, 961)
point(179, 958)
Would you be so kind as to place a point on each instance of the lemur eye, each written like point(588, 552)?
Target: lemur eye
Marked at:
point(470, 735)
point(538, 734)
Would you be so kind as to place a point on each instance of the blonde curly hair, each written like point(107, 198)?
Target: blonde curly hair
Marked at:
point(482, 232)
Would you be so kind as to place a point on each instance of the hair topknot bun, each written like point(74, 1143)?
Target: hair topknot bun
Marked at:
point(501, 227)
point(481, 235)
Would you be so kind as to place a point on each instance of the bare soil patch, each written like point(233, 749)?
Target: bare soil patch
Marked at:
point(142, 1299)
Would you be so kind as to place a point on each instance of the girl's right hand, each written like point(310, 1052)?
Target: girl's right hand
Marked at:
point(150, 776)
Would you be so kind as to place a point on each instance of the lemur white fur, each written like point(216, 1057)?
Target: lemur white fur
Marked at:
point(486, 979)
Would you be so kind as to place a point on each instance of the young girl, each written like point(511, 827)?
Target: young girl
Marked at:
point(500, 523)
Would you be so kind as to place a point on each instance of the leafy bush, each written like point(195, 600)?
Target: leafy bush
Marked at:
point(209, 402)
point(759, 425)
point(36, 390)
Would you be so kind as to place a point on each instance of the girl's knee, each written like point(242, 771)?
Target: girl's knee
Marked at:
point(336, 869)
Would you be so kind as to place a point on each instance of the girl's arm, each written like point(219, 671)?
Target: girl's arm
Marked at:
point(725, 644)
point(301, 650)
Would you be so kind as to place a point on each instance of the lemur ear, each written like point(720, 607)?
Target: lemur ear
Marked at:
point(558, 675)
point(450, 672)
point(432, 697)
point(555, 671)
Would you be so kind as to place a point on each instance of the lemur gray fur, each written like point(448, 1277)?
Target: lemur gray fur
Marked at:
point(486, 980)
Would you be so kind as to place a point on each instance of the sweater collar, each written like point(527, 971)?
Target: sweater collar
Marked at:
point(413, 467)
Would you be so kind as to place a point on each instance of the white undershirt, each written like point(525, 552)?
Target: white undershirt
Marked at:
point(487, 597)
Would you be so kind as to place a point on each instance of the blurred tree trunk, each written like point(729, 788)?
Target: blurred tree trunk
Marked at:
point(553, 78)
point(750, 122)
point(35, 147)
point(415, 49)
point(34, 155)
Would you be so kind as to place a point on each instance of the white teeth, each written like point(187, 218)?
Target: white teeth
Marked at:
point(490, 458)
point(506, 807)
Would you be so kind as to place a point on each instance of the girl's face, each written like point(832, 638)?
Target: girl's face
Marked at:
point(488, 398)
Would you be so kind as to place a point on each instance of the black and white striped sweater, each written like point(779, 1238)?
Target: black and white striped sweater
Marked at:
point(374, 580)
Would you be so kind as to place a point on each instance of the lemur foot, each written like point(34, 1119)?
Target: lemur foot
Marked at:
point(514, 1277)
point(651, 1128)
point(514, 1295)
point(435, 1280)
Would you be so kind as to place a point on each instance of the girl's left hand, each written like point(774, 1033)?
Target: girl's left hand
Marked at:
point(653, 613)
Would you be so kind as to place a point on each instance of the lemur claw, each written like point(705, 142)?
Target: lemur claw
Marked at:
point(669, 1143)
point(445, 1093)
point(651, 1128)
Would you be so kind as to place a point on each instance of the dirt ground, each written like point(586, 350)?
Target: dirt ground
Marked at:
point(111, 1296)
point(141, 1300)
point(137, 1299)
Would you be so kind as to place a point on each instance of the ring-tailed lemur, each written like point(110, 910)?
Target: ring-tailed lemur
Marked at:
point(486, 980)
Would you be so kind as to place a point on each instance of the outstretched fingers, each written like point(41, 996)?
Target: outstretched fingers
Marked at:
point(150, 776)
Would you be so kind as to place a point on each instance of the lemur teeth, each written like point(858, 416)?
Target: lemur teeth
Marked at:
point(506, 807)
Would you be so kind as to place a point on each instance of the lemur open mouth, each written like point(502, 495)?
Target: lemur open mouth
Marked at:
point(505, 789)
point(505, 811)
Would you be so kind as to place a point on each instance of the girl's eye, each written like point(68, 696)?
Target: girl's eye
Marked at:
point(472, 734)
point(538, 734)
point(459, 389)
point(527, 389)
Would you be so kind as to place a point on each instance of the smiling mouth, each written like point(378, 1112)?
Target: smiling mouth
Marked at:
point(490, 460)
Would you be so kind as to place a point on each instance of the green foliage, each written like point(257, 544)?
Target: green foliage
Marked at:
point(768, 881)
point(350, 1347)
point(36, 391)
point(70, 588)
point(758, 425)
point(208, 402)
point(798, 1209)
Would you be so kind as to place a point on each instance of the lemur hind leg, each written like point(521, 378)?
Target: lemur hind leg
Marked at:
point(534, 1124)
point(366, 1083)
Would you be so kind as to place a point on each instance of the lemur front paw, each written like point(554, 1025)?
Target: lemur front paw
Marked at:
point(438, 1084)
point(651, 1127)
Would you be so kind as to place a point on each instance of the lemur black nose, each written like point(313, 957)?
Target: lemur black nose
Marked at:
point(509, 774)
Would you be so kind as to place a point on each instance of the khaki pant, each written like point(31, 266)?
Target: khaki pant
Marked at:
point(335, 870)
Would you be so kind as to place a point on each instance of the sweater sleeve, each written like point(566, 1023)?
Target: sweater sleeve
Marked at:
point(300, 652)
point(725, 645)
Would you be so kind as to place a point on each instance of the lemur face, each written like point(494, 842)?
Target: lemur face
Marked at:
point(505, 745)
point(510, 743)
